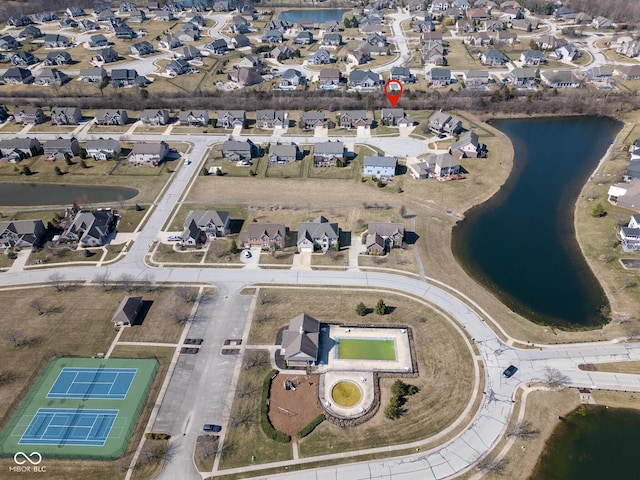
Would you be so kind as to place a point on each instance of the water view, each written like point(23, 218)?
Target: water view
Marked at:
point(319, 15)
point(521, 243)
point(591, 443)
point(34, 194)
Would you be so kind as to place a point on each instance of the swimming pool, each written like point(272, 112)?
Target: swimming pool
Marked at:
point(366, 349)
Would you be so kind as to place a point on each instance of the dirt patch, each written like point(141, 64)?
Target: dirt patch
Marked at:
point(291, 410)
point(587, 367)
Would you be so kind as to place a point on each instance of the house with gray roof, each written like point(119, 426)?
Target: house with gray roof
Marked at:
point(127, 311)
point(265, 235)
point(395, 117)
point(331, 40)
point(493, 58)
point(51, 76)
point(98, 41)
point(300, 341)
point(364, 80)
point(532, 57)
point(29, 115)
point(319, 57)
point(303, 38)
point(151, 116)
point(106, 55)
point(111, 117)
point(93, 74)
point(31, 32)
point(354, 119)
point(382, 236)
point(17, 75)
point(521, 77)
point(272, 37)
point(66, 115)
point(103, 148)
point(311, 120)
point(318, 234)
point(22, 233)
point(201, 225)
point(7, 42)
point(443, 165)
point(560, 78)
point(379, 166)
point(67, 147)
point(239, 151)
point(280, 153)
point(55, 40)
point(192, 118)
point(443, 123)
point(90, 228)
point(402, 74)
point(151, 153)
point(475, 78)
point(291, 79)
point(23, 147)
point(57, 58)
point(467, 146)
point(327, 154)
point(271, 119)
point(240, 41)
point(141, 49)
point(230, 119)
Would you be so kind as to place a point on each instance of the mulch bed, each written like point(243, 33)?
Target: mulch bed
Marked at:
point(291, 410)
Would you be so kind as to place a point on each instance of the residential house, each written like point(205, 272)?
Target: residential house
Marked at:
point(164, 16)
point(197, 20)
point(303, 38)
point(201, 225)
point(67, 22)
point(67, 147)
point(239, 151)
point(151, 153)
point(22, 233)
point(106, 55)
point(44, 17)
point(493, 58)
point(103, 148)
point(479, 39)
point(629, 48)
point(464, 27)
point(57, 58)
point(66, 115)
point(127, 311)
point(602, 74)
point(354, 119)
point(141, 49)
point(624, 195)
point(439, 77)
point(319, 57)
point(560, 78)
point(477, 14)
point(524, 77)
point(93, 74)
point(329, 78)
point(124, 32)
point(332, 40)
point(280, 153)
point(395, 117)
point(278, 24)
point(7, 42)
point(423, 26)
point(532, 57)
point(379, 166)
point(433, 55)
point(291, 79)
point(358, 57)
point(327, 154)
point(364, 79)
point(383, 234)
point(123, 77)
point(192, 118)
point(30, 33)
point(29, 115)
point(231, 118)
point(420, 170)
point(567, 53)
point(300, 341)
point(443, 165)
point(268, 236)
point(98, 41)
point(282, 52)
point(87, 25)
point(504, 38)
point(444, 124)
point(169, 42)
point(91, 228)
point(601, 23)
point(23, 147)
point(475, 78)
point(311, 120)
point(105, 15)
point(75, 12)
point(318, 234)
point(629, 235)
point(137, 16)
point(305, 25)
point(17, 75)
point(112, 117)
point(189, 33)
point(189, 52)
point(217, 47)
point(247, 75)
point(271, 119)
point(250, 61)
point(549, 42)
point(19, 20)
point(240, 41)
point(403, 74)
point(179, 66)
point(467, 146)
point(154, 117)
point(272, 37)
point(23, 59)
point(331, 26)
point(55, 40)
point(628, 72)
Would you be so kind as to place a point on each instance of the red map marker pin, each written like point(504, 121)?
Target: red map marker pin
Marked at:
point(393, 93)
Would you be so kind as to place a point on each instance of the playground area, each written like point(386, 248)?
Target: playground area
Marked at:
point(294, 402)
point(80, 408)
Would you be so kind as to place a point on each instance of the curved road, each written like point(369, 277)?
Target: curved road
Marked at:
point(451, 458)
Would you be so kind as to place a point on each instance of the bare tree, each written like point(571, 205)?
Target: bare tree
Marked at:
point(554, 378)
point(243, 417)
point(524, 431)
point(254, 359)
point(497, 467)
point(179, 314)
point(13, 337)
point(7, 376)
point(56, 279)
point(246, 389)
point(187, 294)
point(126, 282)
point(37, 304)
point(102, 279)
point(629, 282)
point(146, 283)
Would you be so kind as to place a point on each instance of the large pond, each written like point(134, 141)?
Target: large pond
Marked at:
point(319, 15)
point(521, 243)
point(34, 194)
point(592, 443)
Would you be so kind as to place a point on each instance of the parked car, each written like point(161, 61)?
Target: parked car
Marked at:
point(210, 427)
point(246, 254)
point(510, 371)
point(173, 238)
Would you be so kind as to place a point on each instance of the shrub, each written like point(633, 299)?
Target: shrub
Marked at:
point(311, 426)
point(361, 309)
point(380, 308)
point(265, 423)
point(598, 211)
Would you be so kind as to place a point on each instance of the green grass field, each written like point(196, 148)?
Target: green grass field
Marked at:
point(59, 440)
point(366, 349)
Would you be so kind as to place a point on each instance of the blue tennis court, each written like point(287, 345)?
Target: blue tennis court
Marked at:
point(69, 426)
point(93, 383)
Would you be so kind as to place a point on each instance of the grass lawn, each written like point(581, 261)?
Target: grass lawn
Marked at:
point(287, 170)
point(331, 258)
point(398, 259)
point(206, 447)
point(61, 254)
point(619, 367)
point(248, 440)
point(130, 218)
point(166, 253)
point(219, 251)
point(445, 364)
